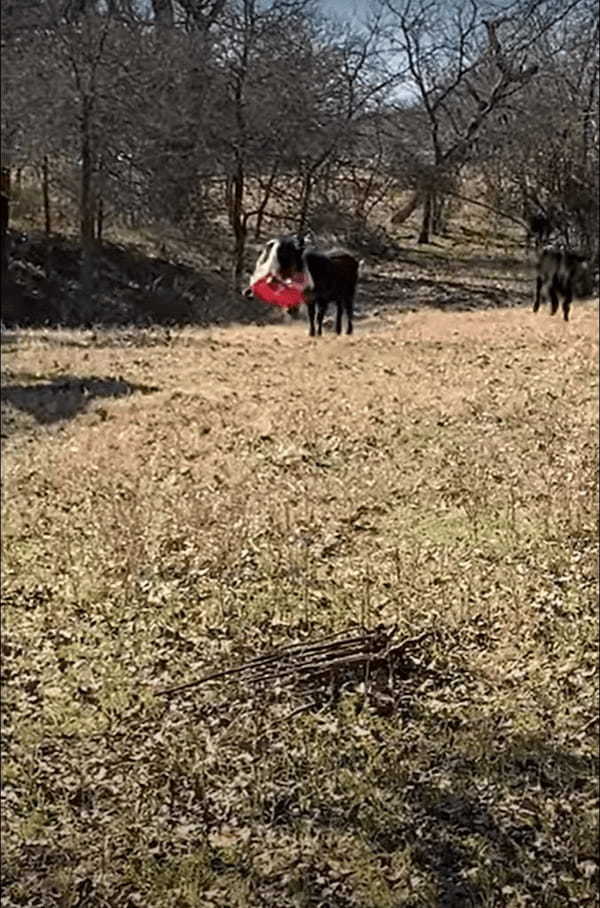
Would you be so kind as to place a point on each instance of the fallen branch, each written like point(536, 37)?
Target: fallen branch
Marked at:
point(588, 725)
point(328, 655)
point(369, 657)
point(256, 663)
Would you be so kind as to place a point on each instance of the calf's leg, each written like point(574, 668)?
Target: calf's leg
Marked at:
point(338, 316)
point(321, 310)
point(349, 314)
point(309, 299)
point(553, 298)
point(538, 294)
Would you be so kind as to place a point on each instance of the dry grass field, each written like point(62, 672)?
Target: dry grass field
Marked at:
point(179, 504)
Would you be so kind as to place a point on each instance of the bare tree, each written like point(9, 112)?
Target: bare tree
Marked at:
point(207, 116)
point(544, 159)
point(467, 63)
point(261, 94)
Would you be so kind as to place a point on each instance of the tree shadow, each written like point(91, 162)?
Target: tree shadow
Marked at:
point(468, 809)
point(491, 265)
point(459, 817)
point(132, 288)
point(112, 337)
point(139, 290)
point(417, 292)
point(63, 398)
point(471, 826)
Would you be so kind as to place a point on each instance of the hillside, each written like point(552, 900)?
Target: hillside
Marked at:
point(179, 502)
point(144, 283)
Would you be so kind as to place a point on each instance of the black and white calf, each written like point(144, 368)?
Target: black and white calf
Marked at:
point(559, 272)
point(330, 277)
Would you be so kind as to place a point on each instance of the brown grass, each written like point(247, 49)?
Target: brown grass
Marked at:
point(247, 488)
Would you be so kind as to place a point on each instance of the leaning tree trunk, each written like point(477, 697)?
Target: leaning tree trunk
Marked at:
point(405, 212)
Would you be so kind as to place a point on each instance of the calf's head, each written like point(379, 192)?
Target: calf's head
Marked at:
point(281, 258)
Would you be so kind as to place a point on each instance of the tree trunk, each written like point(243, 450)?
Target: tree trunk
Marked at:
point(265, 201)
point(588, 119)
point(163, 12)
point(438, 214)
point(259, 220)
point(99, 206)
point(426, 222)
point(99, 222)
point(46, 197)
point(405, 212)
point(229, 198)
point(238, 224)
point(86, 213)
point(307, 188)
point(4, 217)
point(47, 215)
point(133, 195)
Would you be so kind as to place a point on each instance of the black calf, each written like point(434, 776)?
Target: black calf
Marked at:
point(330, 278)
point(334, 276)
point(558, 273)
point(539, 226)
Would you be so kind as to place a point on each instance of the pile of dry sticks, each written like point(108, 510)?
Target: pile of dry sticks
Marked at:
point(310, 664)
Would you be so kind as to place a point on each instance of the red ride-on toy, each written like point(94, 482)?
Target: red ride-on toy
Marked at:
point(286, 294)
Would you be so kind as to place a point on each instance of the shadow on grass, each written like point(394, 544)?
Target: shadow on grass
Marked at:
point(416, 292)
point(64, 397)
point(130, 336)
point(465, 822)
point(138, 290)
point(131, 288)
point(487, 265)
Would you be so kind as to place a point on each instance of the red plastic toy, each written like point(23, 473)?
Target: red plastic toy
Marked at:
point(287, 295)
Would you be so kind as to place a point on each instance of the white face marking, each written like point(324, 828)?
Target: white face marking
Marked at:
point(266, 262)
